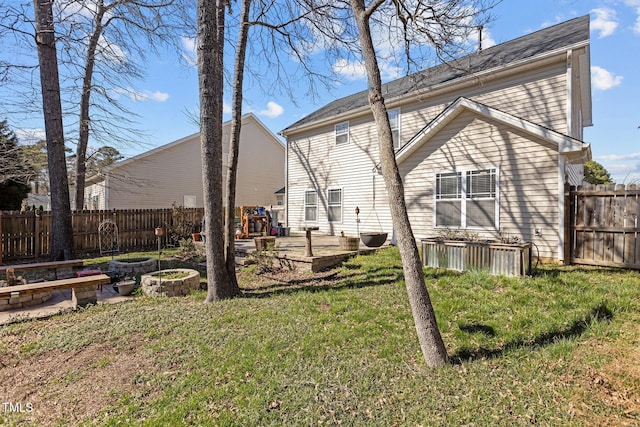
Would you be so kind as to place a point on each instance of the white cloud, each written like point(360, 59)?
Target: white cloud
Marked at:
point(30, 136)
point(143, 96)
point(356, 70)
point(111, 52)
point(349, 70)
point(272, 111)
point(604, 20)
point(617, 157)
point(636, 5)
point(190, 54)
point(603, 79)
point(636, 26)
point(556, 20)
point(226, 107)
point(487, 40)
point(156, 96)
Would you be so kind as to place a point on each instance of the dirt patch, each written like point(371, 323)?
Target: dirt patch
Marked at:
point(285, 280)
point(616, 383)
point(73, 386)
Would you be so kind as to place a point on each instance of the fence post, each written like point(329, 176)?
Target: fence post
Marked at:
point(568, 230)
point(1, 240)
point(36, 237)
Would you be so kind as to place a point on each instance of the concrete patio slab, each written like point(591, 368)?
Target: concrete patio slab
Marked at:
point(60, 302)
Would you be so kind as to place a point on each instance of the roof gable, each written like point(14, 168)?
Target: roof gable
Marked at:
point(571, 147)
point(249, 117)
point(560, 37)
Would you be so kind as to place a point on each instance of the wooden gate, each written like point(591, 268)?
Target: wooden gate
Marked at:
point(603, 225)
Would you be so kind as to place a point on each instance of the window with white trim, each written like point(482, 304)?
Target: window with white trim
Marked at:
point(334, 202)
point(310, 205)
point(466, 199)
point(394, 121)
point(342, 133)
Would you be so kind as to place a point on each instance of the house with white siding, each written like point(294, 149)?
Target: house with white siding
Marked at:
point(172, 173)
point(484, 144)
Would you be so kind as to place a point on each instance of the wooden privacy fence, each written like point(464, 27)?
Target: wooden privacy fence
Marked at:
point(26, 235)
point(603, 225)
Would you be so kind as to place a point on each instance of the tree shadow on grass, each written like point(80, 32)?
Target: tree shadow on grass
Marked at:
point(600, 313)
point(335, 280)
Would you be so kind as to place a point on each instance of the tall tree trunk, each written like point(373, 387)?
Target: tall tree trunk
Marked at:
point(234, 144)
point(431, 343)
point(85, 120)
point(61, 225)
point(210, 72)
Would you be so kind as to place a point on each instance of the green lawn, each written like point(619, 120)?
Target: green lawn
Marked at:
point(558, 348)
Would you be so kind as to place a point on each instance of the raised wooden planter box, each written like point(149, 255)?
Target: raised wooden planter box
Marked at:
point(493, 257)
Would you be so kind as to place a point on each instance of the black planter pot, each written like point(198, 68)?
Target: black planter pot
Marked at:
point(373, 240)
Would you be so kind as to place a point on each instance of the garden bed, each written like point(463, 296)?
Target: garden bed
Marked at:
point(508, 259)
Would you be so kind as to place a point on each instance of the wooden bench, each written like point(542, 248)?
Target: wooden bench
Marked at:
point(63, 269)
point(83, 291)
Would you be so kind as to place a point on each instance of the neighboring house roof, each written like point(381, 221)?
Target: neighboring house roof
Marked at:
point(551, 40)
point(249, 116)
point(280, 191)
point(574, 149)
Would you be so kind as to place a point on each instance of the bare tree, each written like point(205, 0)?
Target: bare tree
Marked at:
point(103, 48)
point(61, 228)
point(118, 30)
point(413, 30)
point(234, 143)
point(211, 26)
point(433, 348)
point(284, 23)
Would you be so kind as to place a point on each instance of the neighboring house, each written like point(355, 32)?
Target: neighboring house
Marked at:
point(483, 145)
point(172, 173)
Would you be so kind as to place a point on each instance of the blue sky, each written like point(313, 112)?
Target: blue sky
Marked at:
point(170, 88)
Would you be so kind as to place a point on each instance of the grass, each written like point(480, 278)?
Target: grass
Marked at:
point(557, 348)
point(171, 275)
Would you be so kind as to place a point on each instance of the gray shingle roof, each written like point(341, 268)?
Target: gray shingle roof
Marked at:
point(548, 39)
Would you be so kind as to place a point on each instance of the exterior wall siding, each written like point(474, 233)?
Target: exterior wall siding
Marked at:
point(536, 95)
point(528, 197)
point(167, 176)
point(317, 163)
point(95, 190)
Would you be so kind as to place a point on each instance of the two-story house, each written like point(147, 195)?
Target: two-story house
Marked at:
point(484, 144)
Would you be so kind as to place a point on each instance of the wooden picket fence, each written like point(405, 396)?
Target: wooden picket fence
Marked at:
point(26, 235)
point(603, 225)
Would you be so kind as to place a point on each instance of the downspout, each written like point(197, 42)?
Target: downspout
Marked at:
point(561, 158)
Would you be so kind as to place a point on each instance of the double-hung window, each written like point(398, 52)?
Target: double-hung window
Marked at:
point(334, 202)
point(310, 205)
point(342, 133)
point(394, 121)
point(466, 199)
point(449, 199)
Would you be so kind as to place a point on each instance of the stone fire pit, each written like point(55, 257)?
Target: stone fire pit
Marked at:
point(132, 266)
point(170, 283)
